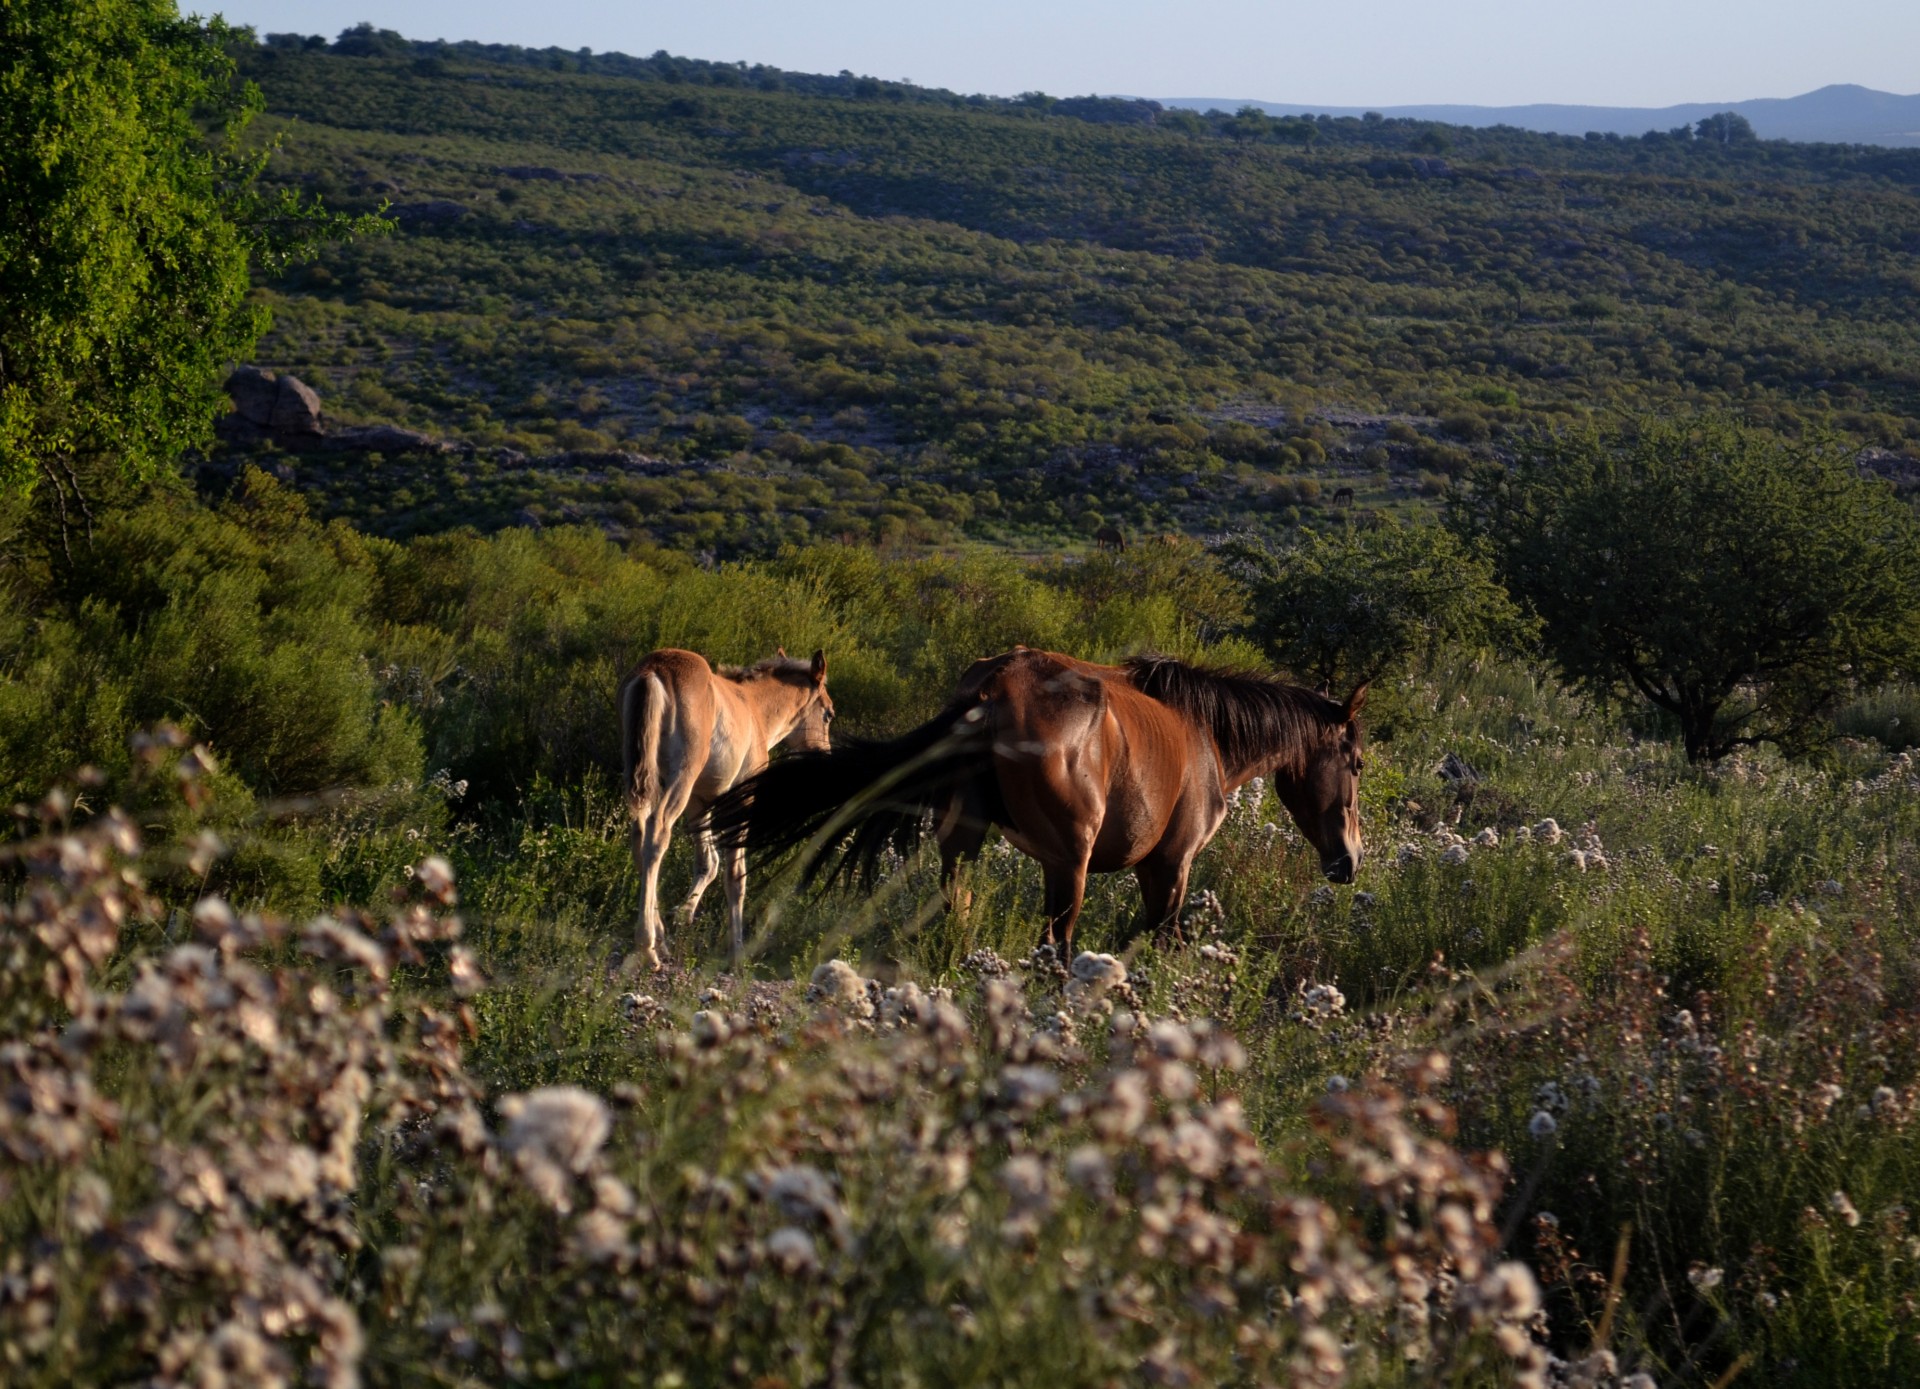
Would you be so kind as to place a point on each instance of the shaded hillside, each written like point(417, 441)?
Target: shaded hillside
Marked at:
point(907, 314)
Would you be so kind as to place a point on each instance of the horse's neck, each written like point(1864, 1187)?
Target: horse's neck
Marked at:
point(777, 708)
point(1289, 766)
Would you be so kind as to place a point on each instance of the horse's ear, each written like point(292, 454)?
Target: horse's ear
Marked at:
point(780, 653)
point(819, 667)
point(1357, 700)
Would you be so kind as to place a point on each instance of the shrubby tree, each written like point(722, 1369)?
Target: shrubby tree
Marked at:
point(1742, 582)
point(132, 215)
point(1726, 128)
point(1355, 603)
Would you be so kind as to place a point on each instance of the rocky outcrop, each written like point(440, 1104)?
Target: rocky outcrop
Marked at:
point(386, 439)
point(270, 408)
point(284, 411)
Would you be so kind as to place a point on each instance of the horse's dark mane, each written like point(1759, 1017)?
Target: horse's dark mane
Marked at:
point(1253, 718)
point(771, 665)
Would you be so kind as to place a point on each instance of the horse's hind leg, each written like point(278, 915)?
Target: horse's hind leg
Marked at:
point(651, 833)
point(1163, 889)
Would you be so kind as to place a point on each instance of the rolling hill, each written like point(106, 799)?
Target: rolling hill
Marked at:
point(727, 308)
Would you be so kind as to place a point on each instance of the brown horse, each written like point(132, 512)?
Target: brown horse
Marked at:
point(688, 733)
point(1085, 768)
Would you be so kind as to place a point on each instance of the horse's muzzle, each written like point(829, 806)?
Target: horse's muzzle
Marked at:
point(1340, 870)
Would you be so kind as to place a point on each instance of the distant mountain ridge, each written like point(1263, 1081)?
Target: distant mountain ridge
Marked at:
point(1839, 114)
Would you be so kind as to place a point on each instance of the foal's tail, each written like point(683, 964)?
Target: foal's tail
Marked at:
point(850, 805)
point(643, 700)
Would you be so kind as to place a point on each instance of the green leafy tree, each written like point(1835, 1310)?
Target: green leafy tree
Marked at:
point(132, 216)
point(1355, 603)
point(1742, 582)
point(1726, 128)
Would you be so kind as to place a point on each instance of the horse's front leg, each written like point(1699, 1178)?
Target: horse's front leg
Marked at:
point(736, 903)
point(1066, 891)
point(961, 832)
point(707, 867)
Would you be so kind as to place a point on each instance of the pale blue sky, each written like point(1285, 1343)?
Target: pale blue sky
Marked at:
point(1375, 52)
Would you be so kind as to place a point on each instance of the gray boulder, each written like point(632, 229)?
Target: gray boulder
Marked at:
point(296, 410)
point(267, 405)
point(253, 392)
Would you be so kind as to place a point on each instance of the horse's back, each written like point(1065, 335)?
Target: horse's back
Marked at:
point(1078, 749)
point(689, 692)
point(678, 670)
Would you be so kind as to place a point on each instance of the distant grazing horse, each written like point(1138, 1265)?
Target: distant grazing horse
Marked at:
point(1109, 537)
point(689, 733)
point(1086, 768)
point(1343, 496)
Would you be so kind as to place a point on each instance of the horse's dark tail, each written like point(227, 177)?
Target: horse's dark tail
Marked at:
point(847, 807)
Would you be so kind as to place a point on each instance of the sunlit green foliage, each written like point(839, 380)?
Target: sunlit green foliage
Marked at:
point(1357, 603)
point(1742, 583)
point(131, 219)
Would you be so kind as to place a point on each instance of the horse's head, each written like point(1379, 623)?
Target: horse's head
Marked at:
point(1325, 799)
point(810, 730)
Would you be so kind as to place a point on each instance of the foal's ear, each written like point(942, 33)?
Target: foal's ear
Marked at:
point(779, 653)
point(1357, 700)
point(819, 667)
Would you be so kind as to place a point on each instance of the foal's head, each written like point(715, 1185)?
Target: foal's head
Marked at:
point(810, 732)
point(1324, 799)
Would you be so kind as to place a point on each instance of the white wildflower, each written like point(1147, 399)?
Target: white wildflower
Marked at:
point(792, 1250)
point(1510, 1291)
point(836, 984)
point(803, 1194)
point(1543, 1125)
point(554, 1133)
point(435, 874)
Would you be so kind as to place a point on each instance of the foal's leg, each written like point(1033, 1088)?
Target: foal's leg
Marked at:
point(736, 902)
point(707, 857)
point(650, 839)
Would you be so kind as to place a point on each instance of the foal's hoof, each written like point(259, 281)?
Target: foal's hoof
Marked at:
point(642, 962)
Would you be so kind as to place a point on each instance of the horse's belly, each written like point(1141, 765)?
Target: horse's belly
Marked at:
point(1126, 836)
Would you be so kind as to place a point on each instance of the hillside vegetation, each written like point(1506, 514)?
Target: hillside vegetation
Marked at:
point(325, 1052)
point(872, 311)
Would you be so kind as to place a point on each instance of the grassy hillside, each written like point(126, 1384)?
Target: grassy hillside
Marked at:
point(1584, 999)
point(904, 315)
point(1604, 1073)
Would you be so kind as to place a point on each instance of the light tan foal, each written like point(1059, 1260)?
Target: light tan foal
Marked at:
point(688, 734)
